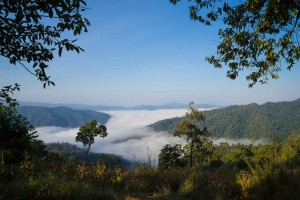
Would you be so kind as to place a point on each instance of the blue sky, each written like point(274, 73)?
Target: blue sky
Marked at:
point(145, 52)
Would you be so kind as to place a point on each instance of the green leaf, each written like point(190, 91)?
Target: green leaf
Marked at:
point(60, 51)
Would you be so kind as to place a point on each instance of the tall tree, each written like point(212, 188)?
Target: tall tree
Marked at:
point(87, 134)
point(170, 157)
point(16, 135)
point(32, 31)
point(191, 128)
point(203, 149)
point(259, 35)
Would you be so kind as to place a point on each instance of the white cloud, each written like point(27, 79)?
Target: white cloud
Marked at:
point(238, 141)
point(128, 134)
point(57, 134)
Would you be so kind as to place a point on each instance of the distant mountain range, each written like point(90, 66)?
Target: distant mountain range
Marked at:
point(60, 116)
point(251, 121)
point(106, 108)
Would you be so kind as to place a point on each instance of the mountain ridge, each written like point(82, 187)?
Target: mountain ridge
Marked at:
point(60, 116)
point(106, 108)
point(251, 121)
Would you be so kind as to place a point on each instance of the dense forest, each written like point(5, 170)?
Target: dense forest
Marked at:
point(251, 121)
point(60, 116)
point(66, 150)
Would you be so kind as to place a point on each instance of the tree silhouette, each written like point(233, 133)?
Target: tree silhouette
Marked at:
point(87, 134)
point(190, 129)
point(16, 135)
point(32, 31)
point(261, 36)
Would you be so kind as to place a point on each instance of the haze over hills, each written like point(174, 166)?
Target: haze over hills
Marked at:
point(60, 116)
point(129, 134)
point(250, 121)
point(106, 108)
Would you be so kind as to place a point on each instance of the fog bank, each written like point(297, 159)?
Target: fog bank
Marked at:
point(128, 135)
point(238, 141)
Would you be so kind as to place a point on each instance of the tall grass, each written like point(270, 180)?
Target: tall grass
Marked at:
point(270, 181)
point(45, 178)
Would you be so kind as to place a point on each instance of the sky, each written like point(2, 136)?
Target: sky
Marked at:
point(145, 52)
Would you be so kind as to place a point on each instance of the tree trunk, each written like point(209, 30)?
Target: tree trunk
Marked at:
point(191, 153)
point(87, 151)
point(2, 158)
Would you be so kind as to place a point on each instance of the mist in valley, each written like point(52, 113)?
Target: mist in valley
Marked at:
point(128, 134)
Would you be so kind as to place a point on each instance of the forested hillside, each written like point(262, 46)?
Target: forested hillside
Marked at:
point(247, 121)
point(67, 150)
point(60, 116)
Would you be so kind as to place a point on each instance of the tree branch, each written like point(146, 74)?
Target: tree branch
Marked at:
point(26, 68)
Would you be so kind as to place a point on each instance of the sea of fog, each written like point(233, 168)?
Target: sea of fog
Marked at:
point(128, 135)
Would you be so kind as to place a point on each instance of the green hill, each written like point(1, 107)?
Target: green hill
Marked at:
point(251, 121)
point(68, 150)
point(60, 116)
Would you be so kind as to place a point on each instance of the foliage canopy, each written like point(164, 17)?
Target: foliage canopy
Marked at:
point(16, 135)
point(258, 35)
point(170, 157)
point(88, 132)
point(32, 31)
point(190, 129)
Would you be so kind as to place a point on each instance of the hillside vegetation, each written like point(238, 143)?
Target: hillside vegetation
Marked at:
point(235, 172)
point(66, 150)
point(240, 172)
point(60, 116)
point(251, 121)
